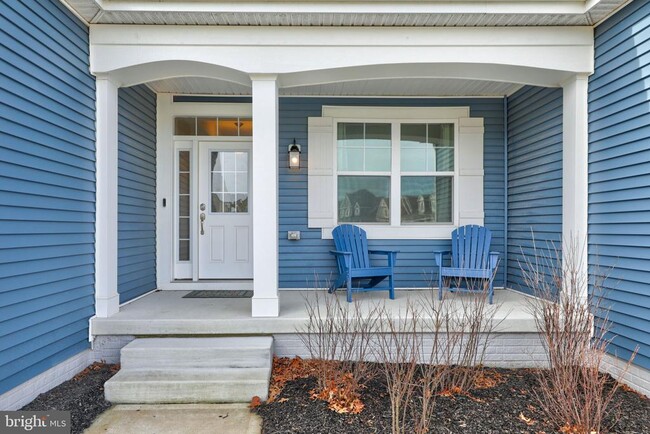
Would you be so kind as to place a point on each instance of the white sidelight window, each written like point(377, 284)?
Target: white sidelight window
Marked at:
point(413, 173)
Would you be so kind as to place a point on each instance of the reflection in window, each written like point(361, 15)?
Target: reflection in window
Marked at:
point(364, 199)
point(363, 147)
point(213, 126)
point(426, 199)
point(427, 148)
point(229, 182)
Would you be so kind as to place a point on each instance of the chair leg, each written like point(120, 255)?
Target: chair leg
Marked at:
point(391, 289)
point(349, 289)
point(440, 284)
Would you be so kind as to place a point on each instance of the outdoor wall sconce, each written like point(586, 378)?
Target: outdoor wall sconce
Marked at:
point(294, 155)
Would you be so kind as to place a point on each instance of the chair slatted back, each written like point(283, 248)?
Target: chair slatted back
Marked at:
point(353, 239)
point(470, 247)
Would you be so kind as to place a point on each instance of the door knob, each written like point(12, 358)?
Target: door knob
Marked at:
point(202, 219)
point(202, 207)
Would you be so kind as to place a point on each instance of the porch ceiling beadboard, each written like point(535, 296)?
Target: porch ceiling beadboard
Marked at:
point(307, 263)
point(348, 13)
point(47, 188)
point(619, 175)
point(534, 178)
point(136, 192)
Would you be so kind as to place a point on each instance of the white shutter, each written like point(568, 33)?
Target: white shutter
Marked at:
point(320, 173)
point(470, 162)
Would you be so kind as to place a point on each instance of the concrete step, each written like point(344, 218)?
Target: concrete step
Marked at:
point(136, 386)
point(170, 353)
point(188, 370)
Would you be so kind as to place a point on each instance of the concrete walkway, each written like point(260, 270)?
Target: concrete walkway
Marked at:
point(177, 418)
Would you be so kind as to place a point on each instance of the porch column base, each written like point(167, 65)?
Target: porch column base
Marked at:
point(105, 307)
point(265, 307)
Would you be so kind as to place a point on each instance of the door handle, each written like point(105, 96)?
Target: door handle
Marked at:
point(202, 219)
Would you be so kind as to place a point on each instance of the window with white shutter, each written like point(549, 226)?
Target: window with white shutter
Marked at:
point(400, 173)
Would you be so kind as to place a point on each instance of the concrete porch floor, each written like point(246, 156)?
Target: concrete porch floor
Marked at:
point(168, 313)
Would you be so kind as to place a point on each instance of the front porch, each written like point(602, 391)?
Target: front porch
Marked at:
point(515, 342)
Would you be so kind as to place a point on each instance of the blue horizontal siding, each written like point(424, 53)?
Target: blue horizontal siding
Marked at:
point(534, 181)
point(307, 263)
point(619, 175)
point(47, 188)
point(136, 260)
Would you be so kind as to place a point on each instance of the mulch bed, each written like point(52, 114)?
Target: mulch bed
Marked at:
point(507, 407)
point(82, 396)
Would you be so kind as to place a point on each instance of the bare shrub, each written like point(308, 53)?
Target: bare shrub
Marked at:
point(398, 352)
point(338, 336)
point(574, 326)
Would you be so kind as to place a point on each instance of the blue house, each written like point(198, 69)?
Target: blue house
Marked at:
point(144, 154)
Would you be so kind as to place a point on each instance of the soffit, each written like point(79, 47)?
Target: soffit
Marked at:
point(487, 13)
point(435, 87)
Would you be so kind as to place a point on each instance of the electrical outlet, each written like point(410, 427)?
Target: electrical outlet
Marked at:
point(293, 235)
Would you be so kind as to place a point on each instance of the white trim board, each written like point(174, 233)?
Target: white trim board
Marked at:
point(26, 392)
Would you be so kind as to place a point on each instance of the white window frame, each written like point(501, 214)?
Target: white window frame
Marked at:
point(396, 174)
point(397, 116)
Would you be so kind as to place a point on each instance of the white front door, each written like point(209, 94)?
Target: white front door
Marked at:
point(225, 240)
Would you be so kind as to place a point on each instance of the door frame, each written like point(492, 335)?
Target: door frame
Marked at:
point(166, 223)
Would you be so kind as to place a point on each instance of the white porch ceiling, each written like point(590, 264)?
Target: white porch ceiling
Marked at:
point(413, 13)
point(380, 87)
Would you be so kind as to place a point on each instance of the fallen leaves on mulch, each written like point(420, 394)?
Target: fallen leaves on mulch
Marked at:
point(341, 393)
point(488, 378)
point(527, 420)
point(96, 367)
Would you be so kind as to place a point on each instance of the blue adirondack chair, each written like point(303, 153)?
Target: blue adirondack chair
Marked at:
point(353, 260)
point(470, 259)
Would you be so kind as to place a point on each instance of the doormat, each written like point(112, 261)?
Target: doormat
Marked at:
point(219, 294)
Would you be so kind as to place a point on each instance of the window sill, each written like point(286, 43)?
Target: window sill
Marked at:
point(411, 232)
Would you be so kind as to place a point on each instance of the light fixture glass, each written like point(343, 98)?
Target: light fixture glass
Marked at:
point(294, 155)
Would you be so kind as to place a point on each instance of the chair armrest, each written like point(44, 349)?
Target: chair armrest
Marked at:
point(494, 259)
point(438, 256)
point(383, 252)
point(391, 255)
point(338, 252)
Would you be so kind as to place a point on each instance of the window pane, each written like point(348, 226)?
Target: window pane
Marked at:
point(206, 126)
point(229, 204)
point(350, 160)
point(184, 228)
point(416, 155)
point(441, 135)
point(242, 202)
point(184, 161)
point(184, 183)
point(413, 135)
point(216, 202)
point(350, 135)
point(217, 182)
point(378, 135)
point(444, 159)
point(426, 199)
point(413, 160)
point(242, 183)
point(377, 160)
point(364, 199)
point(185, 126)
point(184, 250)
point(184, 206)
point(228, 127)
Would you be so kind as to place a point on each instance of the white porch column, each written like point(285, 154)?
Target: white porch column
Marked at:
point(265, 195)
point(107, 300)
point(574, 173)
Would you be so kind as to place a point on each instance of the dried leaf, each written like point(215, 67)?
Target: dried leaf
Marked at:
point(255, 402)
point(527, 420)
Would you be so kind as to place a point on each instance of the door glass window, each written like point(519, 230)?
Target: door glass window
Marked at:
point(229, 182)
point(184, 205)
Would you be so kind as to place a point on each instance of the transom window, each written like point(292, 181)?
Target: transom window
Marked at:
point(377, 161)
point(209, 126)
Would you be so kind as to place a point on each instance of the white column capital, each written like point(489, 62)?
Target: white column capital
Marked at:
point(263, 77)
point(265, 301)
point(106, 295)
